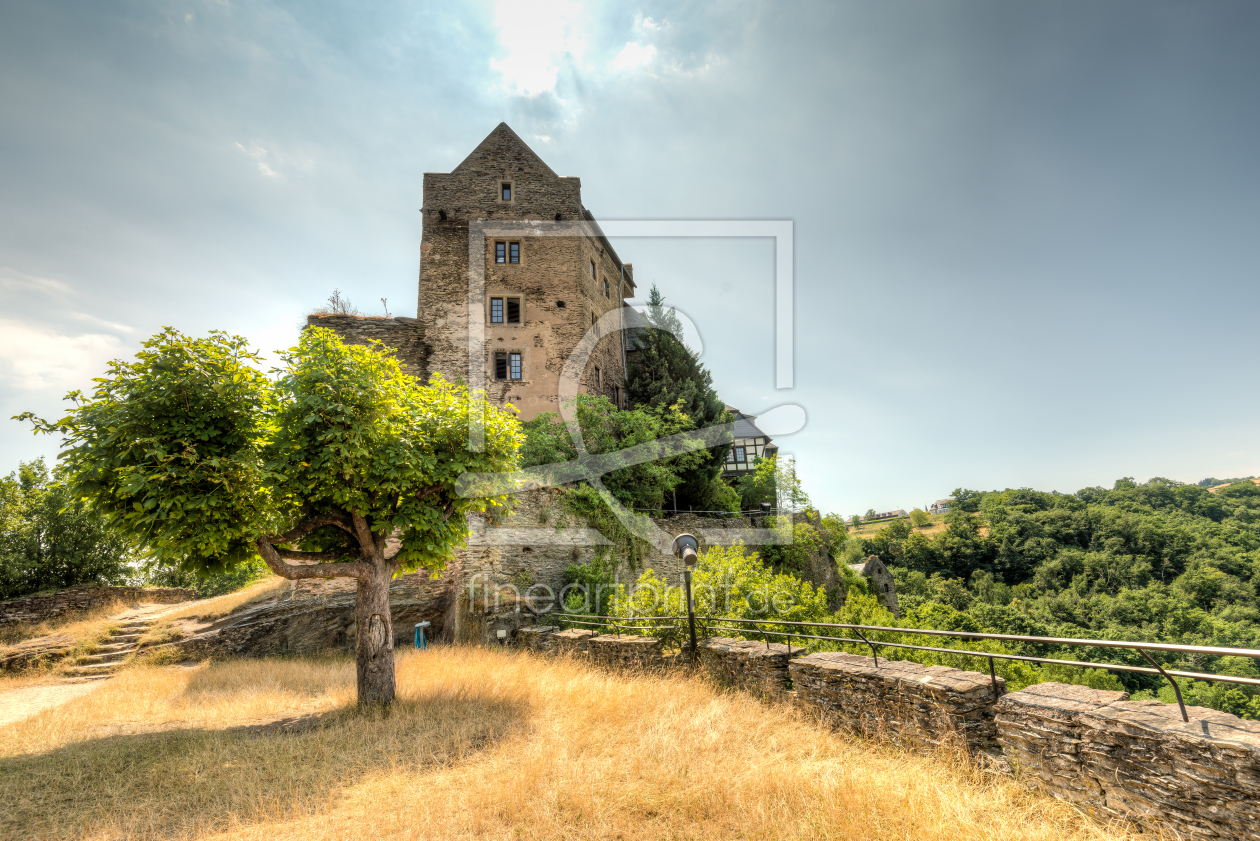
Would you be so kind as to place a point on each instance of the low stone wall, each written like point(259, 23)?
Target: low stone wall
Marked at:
point(534, 637)
point(754, 667)
point(916, 706)
point(616, 651)
point(1136, 760)
point(573, 642)
point(36, 609)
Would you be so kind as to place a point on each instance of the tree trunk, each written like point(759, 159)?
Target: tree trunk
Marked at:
point(374, 636)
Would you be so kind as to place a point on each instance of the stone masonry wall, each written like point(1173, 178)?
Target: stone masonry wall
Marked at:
point(615, 651)
point(1137, 760)
point(405, 336)
point(754, 667)
point(36, 609)
point(553, 278)
point(912, 705)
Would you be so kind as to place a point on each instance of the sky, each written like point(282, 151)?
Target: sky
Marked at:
point(1025, 235)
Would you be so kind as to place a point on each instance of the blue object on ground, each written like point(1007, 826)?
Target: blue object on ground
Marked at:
point(421, 642)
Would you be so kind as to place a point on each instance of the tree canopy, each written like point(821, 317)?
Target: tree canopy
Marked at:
point(49, 540)
point(666, 374)
point(339, 466)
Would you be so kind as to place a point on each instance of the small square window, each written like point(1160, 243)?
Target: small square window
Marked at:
point(513, 310)
point(505, 190)
point(496, 310)
point(514, 366)
point(514, 252)
point(500, 252)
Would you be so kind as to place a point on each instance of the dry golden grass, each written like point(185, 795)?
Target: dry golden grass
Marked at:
point(223, 605)
point(482, 744)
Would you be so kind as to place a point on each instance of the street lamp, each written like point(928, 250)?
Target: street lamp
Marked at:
point(685, 547)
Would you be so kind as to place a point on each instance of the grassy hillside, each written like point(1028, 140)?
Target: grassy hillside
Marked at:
point(482, 744)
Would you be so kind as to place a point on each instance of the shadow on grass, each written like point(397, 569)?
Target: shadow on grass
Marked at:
point(183, 783)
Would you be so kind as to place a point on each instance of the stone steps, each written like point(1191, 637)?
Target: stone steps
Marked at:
point(110, 656)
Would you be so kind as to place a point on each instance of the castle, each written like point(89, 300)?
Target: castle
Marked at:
point(515, 276)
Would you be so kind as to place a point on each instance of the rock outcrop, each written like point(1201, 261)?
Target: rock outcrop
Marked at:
point(314, 616)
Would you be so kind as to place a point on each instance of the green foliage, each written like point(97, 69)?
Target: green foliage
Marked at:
point(606, 430)
point(49, 540)
point(773, 480)
point(726, 583)
point(1155, 561)
point(587, 503)
point(919, 518)
point(206, 585)
point(193, 452)
point(589, 588)
point(667, 375)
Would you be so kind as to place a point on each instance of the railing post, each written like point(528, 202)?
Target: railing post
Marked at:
point(691, 611)
point(1176, 688)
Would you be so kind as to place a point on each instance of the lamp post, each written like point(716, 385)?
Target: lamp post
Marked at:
point(685, 547)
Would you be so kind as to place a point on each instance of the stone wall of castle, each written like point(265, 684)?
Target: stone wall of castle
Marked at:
point(404, 336)
point(559, 280)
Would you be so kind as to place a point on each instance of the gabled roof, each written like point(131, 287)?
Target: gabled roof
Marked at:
point(502, 146)
point(744, 426)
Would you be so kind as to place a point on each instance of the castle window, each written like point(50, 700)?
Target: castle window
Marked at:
point(595, 324)
point(507, 366)
point(592, 270)
point(605, 287)
point(505, 190)
point(599, 382)
point(507, 252)
point(505, 310)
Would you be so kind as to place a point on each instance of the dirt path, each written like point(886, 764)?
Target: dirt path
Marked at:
point(26, 701)
point(17, 704)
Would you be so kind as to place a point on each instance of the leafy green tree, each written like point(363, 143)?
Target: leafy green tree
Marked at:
point(919, 518)
point(606, 430)
point(666, 375)
point(50, 541)
point(194, 452)
point(774, 480)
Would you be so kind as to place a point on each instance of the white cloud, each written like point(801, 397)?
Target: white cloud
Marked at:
point(35, 357)
point(259, 154)
point(15, 281)
point(633, 55)
point(648, 24)
point(536, 37)
point(108, 325)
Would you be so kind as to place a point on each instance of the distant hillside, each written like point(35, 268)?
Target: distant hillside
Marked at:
point(1156, 561)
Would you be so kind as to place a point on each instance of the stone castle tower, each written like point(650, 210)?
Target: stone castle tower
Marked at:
point(514, 272)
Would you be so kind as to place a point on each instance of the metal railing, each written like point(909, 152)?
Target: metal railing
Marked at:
point(765, 628)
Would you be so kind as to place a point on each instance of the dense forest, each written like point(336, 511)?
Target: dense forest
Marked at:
point(1159, 561)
